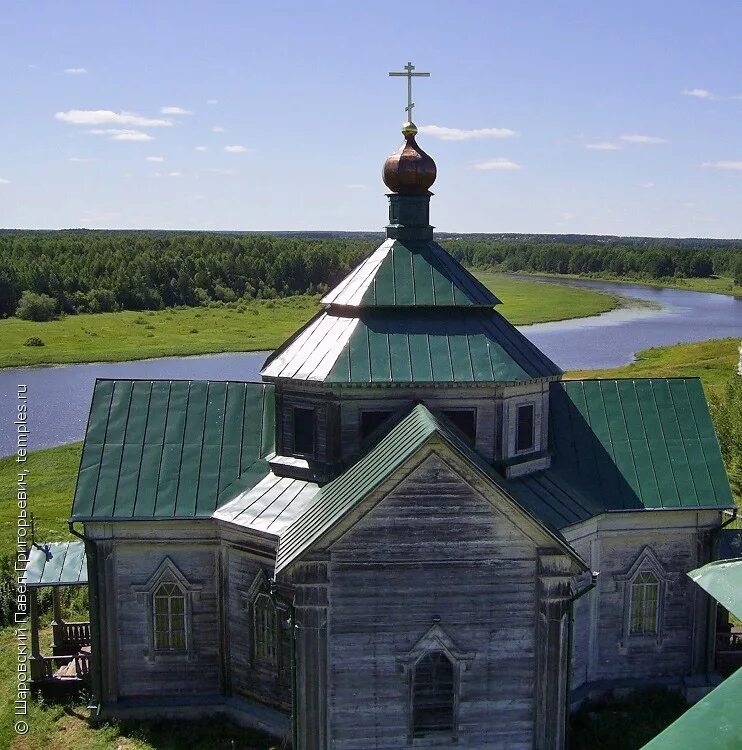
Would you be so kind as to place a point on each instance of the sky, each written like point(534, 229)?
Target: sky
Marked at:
point(567, 117)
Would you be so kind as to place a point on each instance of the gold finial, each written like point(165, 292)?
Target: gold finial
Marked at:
point(409, 129)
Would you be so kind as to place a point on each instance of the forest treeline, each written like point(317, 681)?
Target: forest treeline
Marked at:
point(98, 271)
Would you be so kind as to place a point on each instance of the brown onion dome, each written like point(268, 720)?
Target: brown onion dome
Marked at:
point(409, 171)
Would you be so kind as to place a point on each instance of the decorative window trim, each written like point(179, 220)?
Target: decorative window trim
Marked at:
point(167, 572)
point(646, 562)
point(260, 587)
point(435, 640)
point(511, 432)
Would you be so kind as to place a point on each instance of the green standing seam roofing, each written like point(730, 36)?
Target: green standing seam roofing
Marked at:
point(57, 564)
point(714, 723)
point(170, 449)
point(340, 496)
point(410, 346)
point(627, 445)
point(409, 275)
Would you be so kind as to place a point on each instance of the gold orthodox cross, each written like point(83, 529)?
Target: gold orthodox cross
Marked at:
point(409, 74)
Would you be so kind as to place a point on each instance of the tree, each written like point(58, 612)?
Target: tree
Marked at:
point(39, 307)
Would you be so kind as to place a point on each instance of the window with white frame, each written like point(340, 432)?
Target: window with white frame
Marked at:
point(645, 590)
point(265, 630)
point(169, 617)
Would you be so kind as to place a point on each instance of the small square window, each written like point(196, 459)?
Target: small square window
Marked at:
point(524, 435)
point(464, 419)
point(303, 430)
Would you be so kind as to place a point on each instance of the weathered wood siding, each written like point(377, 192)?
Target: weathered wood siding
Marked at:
point(140, 672)
point(433, 548)
point(603, 648)
point(245, 679)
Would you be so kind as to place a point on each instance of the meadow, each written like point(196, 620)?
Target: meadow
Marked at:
point(241, 326)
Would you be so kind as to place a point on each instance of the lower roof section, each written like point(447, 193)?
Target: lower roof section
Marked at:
point(171, 448)
point(410, 346)
point(622, 445)
point(57, 564)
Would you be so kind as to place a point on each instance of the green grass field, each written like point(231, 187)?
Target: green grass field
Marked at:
point(113, 337)
point(713, 361)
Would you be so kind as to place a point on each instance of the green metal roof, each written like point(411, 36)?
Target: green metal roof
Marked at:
point(409, 275)
point(714, 722)
point(57, 564)
point(410, 346)
point(337, 498)
point(171, 449)
point(627, 445)
point(723, 580)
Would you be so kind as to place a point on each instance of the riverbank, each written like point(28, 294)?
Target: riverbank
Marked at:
point(713, 361)
point(712, 284)
point(242, 327)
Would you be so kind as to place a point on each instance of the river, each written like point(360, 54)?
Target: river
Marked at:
point(59, 397)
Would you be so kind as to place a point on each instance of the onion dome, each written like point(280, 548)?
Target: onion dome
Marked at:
point(409, 171)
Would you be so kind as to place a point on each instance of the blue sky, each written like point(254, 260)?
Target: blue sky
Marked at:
point(590, 117)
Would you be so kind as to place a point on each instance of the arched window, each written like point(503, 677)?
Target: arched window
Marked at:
point(265, 630)
point(432, 694)
point(168, 603)
point(645, 589)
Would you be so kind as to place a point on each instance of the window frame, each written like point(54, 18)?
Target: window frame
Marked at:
point(169, 597)
point(471, 439)
point(362, 412)
point(449, 730)
point(532, 447)
point(313, 415)
point(167, 573)
point(260, 659)
point(644, 586)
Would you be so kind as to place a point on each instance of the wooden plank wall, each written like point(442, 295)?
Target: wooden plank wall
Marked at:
point(432, 549)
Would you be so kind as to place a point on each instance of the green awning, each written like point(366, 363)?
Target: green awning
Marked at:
point(57, 564)
point(715, 722)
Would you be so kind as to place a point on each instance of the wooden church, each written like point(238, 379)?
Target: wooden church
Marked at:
point(411, 533)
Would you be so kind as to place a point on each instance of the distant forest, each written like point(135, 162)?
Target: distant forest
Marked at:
point(101, 271)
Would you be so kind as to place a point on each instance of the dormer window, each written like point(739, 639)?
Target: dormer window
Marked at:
point(524, 430)
point(304, 431)
point(372, 420)
point(465, 420)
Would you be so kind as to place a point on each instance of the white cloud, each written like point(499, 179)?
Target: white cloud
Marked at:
point(75, 71)
point(212, 101)
point(500, 163)
point(155, 158)
point(635, 138)
point(458, 134)
point(174, 174)
point(3, 181)
point(81, 159)
point(566, 216)
point(734, 166)
point(647, 185)
point(217, 129)
point(357, 186)
point(236, 149)
point(699, 93)
point(109, 117)
point(117, 134)
point(222, 171)
point(603, 146)
point(201, 148)
point(175, 111)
